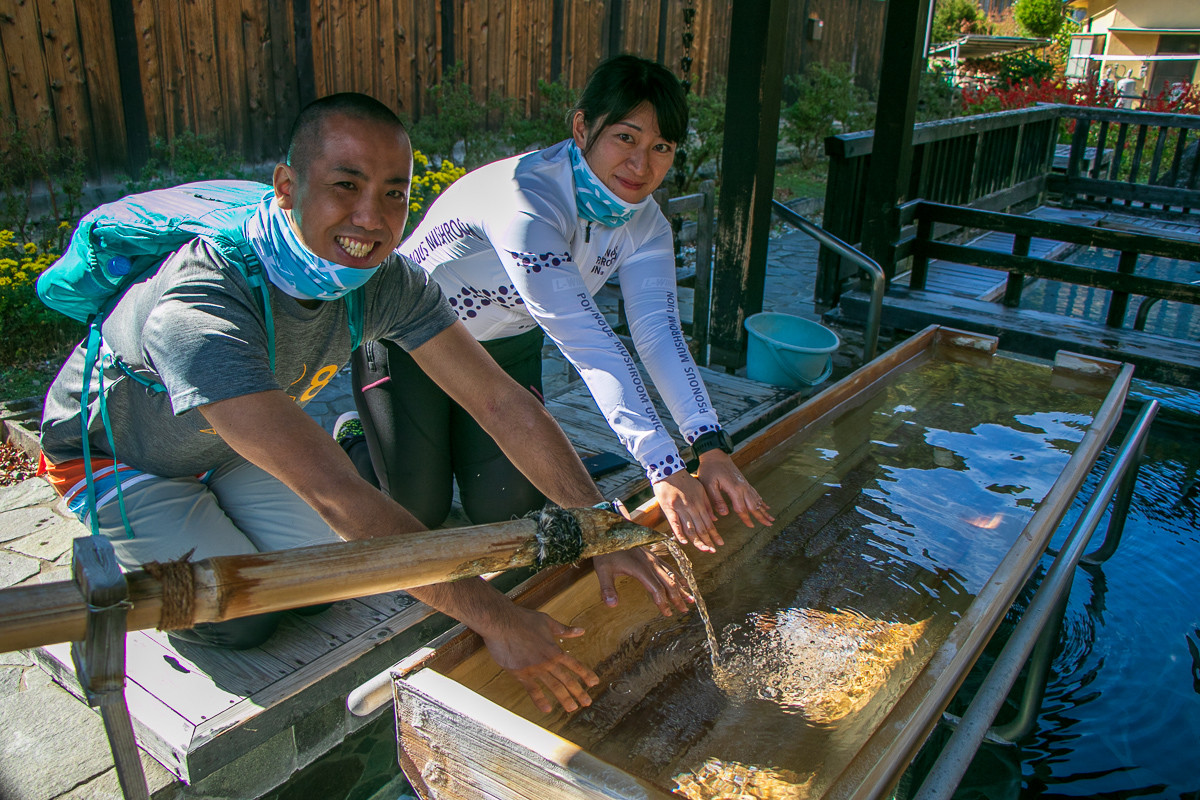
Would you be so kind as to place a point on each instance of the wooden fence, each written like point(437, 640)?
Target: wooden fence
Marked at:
point(111, 75)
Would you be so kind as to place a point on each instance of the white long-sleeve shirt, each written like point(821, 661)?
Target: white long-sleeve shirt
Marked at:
point(507, 246)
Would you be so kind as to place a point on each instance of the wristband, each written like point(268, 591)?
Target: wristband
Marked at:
point(713, 440)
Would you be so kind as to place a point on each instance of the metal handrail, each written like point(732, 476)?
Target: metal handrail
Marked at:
point(1143, 312)
point(973, 728)
point(878, 280)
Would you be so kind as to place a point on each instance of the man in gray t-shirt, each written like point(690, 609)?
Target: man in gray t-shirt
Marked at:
point(226, 461)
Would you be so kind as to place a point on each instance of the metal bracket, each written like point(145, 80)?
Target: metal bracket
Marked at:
point(100, 657)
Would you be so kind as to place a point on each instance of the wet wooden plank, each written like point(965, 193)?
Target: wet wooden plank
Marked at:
point(1037, 333)
point(458, 730)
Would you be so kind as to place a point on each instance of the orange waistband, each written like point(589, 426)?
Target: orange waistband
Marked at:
point(69, 473)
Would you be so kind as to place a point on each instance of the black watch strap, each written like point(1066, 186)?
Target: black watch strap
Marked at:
point(713, 440)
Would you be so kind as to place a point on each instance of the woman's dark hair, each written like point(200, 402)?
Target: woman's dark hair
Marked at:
point(621, 84)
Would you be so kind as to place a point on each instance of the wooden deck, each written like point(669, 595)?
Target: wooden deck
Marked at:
point(963, 296)
point(966, 280)
point(196, 709)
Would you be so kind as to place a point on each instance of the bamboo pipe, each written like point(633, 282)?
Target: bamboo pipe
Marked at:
point(227, 587)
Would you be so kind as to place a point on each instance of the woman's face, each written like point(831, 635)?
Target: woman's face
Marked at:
point(629, 156)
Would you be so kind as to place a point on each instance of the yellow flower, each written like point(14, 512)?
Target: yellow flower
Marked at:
point(30, 248)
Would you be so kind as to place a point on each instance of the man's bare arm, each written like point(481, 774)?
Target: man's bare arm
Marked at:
point(271, 431)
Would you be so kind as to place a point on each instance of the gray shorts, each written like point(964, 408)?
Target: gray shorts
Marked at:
point(235, 509)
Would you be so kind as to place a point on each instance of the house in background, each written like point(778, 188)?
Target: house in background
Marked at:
point(1145, 47)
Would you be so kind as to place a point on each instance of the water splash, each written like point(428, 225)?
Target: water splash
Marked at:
point(689, 577)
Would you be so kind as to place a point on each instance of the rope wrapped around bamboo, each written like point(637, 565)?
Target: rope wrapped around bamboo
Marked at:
point(178, 589)
point(559, 536)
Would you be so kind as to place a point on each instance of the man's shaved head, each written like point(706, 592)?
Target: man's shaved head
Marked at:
point(304, 143)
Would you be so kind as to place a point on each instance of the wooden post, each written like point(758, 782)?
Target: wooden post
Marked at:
point(755, 85)
point(100, 657)
point(137, 130)
point(1015, 282)
point(891, 155)
point(306, 79)
point(1118, 302)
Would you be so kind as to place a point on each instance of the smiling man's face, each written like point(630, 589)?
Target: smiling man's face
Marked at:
point(349, 203)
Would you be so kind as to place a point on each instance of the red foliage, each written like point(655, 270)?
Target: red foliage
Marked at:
point(1184, 99)
point(1031, 92)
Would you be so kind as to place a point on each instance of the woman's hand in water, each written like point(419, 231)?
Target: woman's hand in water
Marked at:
point(661, 583)
point(722, 479)
point(684, 502)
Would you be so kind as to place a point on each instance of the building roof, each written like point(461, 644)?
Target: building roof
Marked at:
point(976, 46)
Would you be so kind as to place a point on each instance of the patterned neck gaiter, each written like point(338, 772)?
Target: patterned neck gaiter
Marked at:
point(594, 200)
point(291, 266)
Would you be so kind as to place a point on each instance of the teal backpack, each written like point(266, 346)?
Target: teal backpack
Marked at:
point(124, 242)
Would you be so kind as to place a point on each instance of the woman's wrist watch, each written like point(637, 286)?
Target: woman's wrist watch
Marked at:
point(713, 440)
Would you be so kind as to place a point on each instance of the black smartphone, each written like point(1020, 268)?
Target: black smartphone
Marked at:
point(604, 463)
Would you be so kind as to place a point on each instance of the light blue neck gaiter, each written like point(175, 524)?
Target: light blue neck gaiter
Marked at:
point(291, 266)
point(594, 200)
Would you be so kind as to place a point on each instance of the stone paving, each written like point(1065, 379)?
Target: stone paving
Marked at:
point(53, 746)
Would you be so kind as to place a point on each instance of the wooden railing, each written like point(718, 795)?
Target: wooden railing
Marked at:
point(1133, 161)
point(990, 161)
point(1122, 282)
point(1147, 160)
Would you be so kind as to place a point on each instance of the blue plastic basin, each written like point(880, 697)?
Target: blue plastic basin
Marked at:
point(789, 351)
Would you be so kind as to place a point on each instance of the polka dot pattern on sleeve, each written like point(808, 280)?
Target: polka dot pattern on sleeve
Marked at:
point(468, 300)
point(536, 262)
point(703, 429)
point(658, 470)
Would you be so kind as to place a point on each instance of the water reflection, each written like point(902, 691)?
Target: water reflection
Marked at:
point(890, 519)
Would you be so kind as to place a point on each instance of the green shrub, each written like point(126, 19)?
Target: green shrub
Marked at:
point(937, 97)
point(953, 19)
point(1020, 67)
point(189, 157)
point(1040, 18)
point(546, 126)
point(827, 102)
point(459, 117)
point(29, 329)
point(701, 151)
point(28, 164)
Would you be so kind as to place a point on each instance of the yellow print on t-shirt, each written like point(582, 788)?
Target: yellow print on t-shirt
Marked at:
point(318, 382)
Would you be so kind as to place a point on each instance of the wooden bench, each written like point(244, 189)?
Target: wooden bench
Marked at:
point(1036, 333)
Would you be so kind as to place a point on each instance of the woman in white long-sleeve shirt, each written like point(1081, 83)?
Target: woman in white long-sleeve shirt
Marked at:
point(520, 246)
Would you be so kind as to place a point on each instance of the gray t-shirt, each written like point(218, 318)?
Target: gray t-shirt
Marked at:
point(196, 326)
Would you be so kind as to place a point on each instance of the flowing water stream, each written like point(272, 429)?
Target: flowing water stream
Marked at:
point(689, 578)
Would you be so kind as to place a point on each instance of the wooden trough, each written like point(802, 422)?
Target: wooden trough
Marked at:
point(888, 590)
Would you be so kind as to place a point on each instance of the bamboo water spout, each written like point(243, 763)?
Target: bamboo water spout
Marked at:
point(183, 593)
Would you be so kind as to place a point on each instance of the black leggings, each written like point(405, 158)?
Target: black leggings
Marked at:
point(420, 440)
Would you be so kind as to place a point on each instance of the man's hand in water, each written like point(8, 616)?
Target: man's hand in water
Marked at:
point(525, 642)
point(661, 583)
